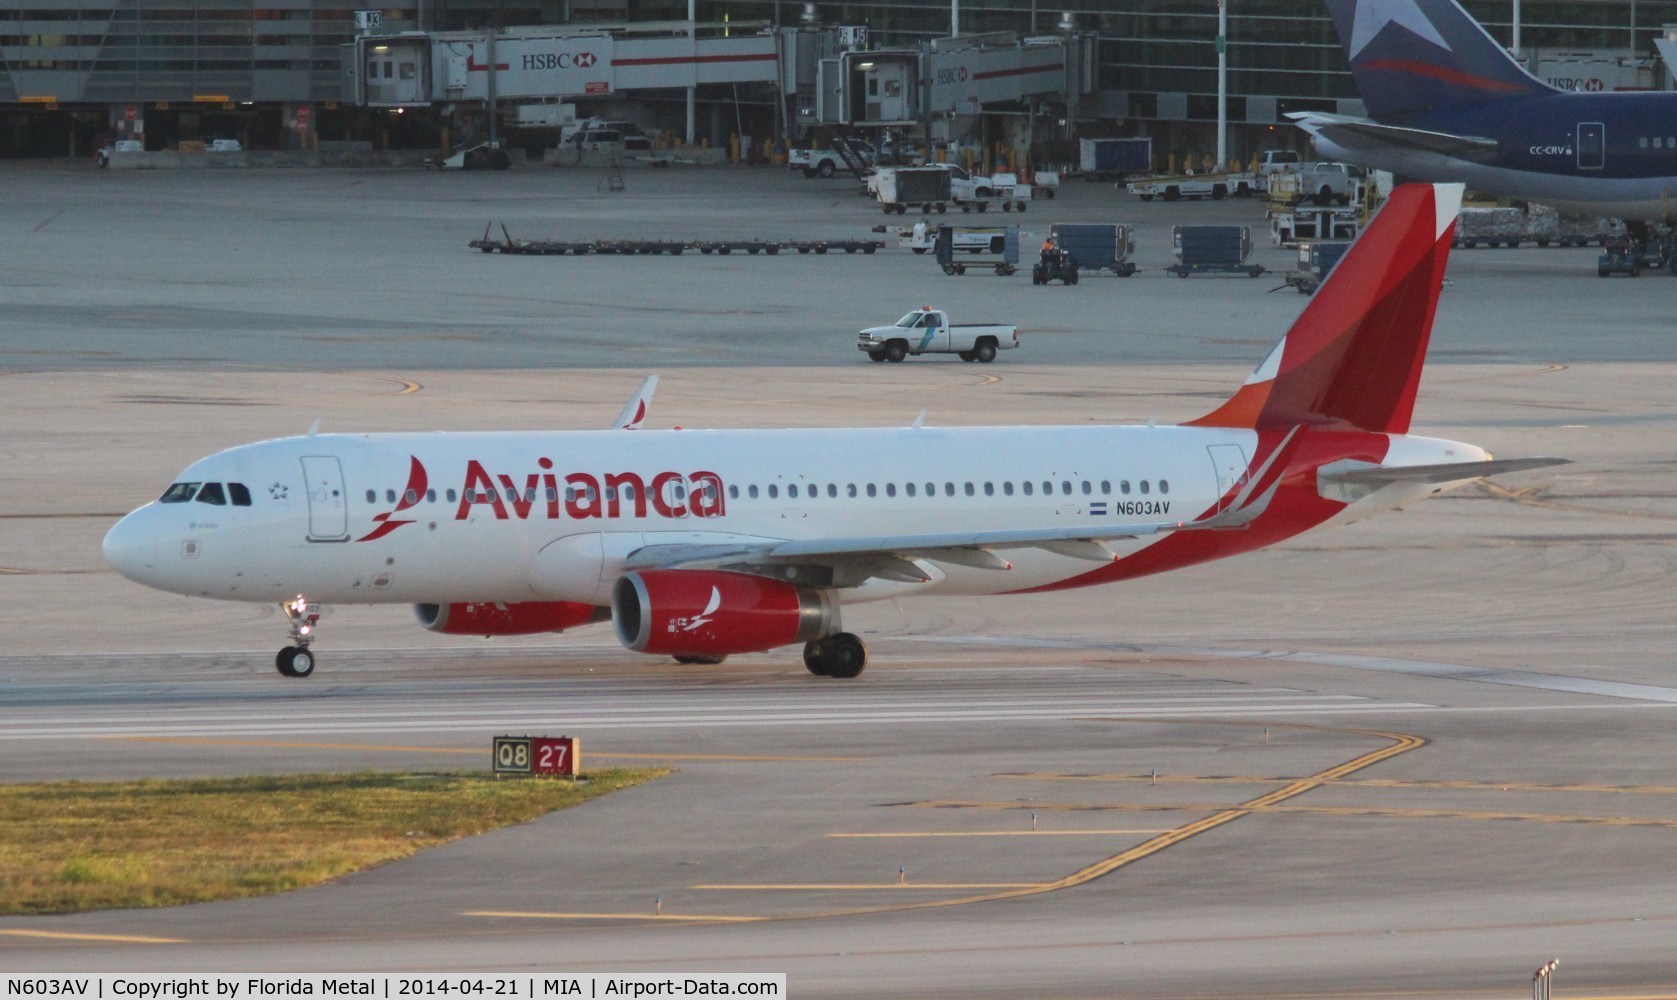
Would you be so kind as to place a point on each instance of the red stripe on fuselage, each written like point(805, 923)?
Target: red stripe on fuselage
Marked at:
point(1297, 507)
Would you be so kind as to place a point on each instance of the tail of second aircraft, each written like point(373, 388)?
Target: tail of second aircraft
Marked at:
point(1353, 359)
point(1419, 55)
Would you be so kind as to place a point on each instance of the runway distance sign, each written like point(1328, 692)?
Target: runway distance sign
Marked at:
point(552, 755)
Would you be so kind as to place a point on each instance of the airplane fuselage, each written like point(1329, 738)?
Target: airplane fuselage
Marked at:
point(1596, 154)
point(400, 518)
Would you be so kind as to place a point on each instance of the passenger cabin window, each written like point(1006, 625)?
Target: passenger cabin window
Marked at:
point(1144, 486)
point(1164, 486)
point(212, 493)
point(372, 496)
point(238, 494)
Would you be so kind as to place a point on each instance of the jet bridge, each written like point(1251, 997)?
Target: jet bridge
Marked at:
point(417, 69)
point(950, 77)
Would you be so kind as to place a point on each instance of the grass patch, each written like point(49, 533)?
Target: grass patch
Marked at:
point(73, 846)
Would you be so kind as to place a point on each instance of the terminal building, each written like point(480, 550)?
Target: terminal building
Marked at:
point(290, 74)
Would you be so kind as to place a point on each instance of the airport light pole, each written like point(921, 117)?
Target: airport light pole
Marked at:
point(1540, 979)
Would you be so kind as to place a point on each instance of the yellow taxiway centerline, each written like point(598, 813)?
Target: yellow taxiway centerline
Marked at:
point(1399, 743)
point(1000, 833)
point(877, 885)
point(1254, 779)
point(68, 936)
point(1206, 807)
point(685, 918)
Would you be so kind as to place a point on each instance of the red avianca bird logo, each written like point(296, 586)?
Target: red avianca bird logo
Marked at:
point(418, 483)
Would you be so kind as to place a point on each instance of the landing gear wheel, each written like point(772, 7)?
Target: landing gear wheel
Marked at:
point(294, 661)
point(813, 661)
point(709, 661)
point(839, 655)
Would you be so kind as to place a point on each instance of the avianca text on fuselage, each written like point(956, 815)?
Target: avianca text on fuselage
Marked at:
point(608, 495)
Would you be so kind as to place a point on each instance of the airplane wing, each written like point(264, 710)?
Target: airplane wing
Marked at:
point(1360, 133)
point(634, 411)
point(850, 562)
point(1378, 475)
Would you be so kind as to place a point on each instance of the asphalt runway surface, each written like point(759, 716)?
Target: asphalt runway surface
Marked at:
point(1415, 756)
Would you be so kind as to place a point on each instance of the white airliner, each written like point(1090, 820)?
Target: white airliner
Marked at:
point(702, 543)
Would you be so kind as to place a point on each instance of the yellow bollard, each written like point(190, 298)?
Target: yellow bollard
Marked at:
point(733, 148)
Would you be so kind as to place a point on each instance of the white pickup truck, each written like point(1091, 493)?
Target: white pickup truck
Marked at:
point(928, 331)
point(826, 162)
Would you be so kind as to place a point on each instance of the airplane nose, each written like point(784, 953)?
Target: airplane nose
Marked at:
point(131, 550)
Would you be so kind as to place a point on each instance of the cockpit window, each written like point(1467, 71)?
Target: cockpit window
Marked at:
point(212, 493)
point(179, 493)
point(238, 494)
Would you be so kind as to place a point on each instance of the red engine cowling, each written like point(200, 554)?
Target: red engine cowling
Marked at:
point(524, 618)
point(709, 613)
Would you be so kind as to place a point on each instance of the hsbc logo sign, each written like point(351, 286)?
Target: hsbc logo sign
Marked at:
point(559, 60)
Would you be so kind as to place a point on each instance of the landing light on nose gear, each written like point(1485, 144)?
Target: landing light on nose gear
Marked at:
point(297, 661)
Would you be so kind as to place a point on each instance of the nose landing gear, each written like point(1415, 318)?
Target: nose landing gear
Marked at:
point(296, 660)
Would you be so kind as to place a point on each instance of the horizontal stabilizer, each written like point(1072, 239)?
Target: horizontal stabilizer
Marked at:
point(1450, 472)
point(1362, 134)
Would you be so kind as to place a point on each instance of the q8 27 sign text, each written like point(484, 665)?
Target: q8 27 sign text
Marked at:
point(554, 755)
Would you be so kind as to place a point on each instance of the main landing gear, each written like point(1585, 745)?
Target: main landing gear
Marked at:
point(297, 661)
point(838, 655)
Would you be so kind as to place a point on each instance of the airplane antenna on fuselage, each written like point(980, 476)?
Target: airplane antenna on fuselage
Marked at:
point(919, 421)
point(313, 428)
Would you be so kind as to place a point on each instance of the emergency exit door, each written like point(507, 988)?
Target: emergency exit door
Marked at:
point(1230, 463)
point(328, 514)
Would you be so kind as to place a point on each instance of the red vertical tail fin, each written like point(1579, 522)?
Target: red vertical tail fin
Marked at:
point(1353, 358)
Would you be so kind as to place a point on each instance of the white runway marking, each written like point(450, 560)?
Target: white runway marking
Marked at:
point(151, 703)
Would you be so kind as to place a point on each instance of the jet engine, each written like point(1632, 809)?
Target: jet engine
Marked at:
point(710, 614)
point(524, 618)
